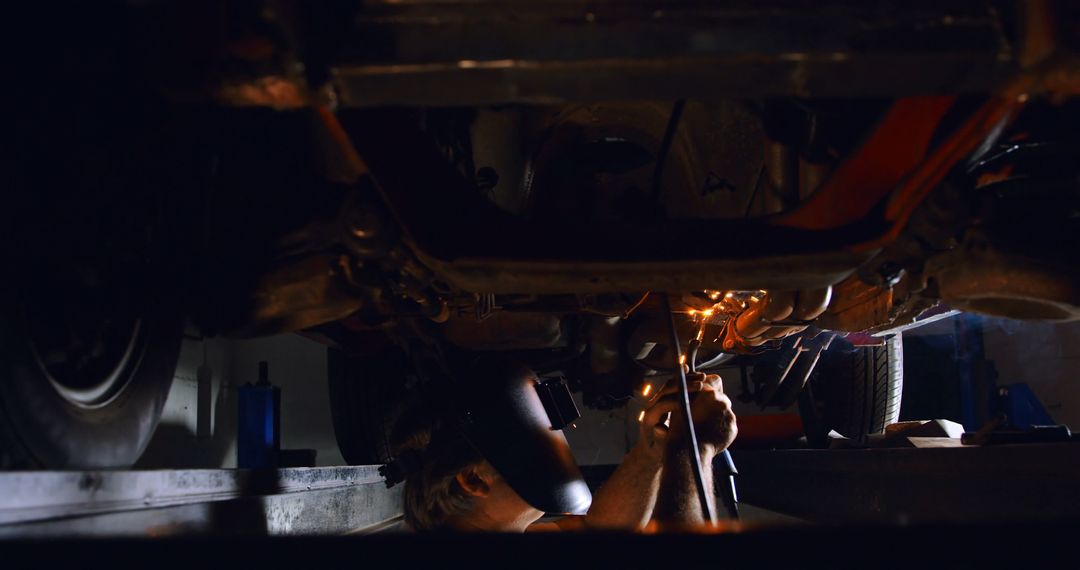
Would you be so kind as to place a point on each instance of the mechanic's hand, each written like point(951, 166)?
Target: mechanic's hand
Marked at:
point(663, 418)
point(714, 421)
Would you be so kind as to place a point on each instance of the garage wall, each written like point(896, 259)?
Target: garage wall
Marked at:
point(1046, 356)
point(297, 365)
point(602, 437)
point(177, 442)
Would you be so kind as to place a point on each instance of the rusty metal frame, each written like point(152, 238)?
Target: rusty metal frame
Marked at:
point(476, 52)
point(818, 244)
point(862, 207)
point(900, 162)
point(473, 245)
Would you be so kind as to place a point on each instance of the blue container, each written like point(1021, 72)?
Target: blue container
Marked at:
point(258, 423)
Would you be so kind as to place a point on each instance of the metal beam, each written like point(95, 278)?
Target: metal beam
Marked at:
point(899, 486)
point(471, 52)
point(327, 500)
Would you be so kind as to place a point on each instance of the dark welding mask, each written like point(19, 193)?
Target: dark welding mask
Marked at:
point(515, 421)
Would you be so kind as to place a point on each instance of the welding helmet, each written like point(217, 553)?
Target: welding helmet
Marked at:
point(515, 420)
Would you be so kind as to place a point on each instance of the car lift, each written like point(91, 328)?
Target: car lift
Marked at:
point(294, 501)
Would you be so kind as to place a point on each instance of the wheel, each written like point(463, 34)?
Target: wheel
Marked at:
point(92, 232)
point(856, 390)
point(83, 377)
point(366, 393)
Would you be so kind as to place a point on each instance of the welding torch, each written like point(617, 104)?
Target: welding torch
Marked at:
point(727, 466)
point(724, 465)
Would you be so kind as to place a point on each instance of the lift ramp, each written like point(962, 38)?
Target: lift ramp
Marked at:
point(276, 502)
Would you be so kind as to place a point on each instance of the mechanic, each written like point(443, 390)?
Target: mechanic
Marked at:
point(452, 485)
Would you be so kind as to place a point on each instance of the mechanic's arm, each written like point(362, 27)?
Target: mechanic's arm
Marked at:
point(625, 502)
point(677, 504)
point(627, 498)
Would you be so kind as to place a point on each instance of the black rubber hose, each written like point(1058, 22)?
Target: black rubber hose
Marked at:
point(684, 401)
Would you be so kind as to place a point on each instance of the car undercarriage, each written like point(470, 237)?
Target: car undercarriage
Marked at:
point(438, 179)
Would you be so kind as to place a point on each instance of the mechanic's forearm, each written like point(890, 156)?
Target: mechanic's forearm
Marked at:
point(677, 502)
point(626, 500)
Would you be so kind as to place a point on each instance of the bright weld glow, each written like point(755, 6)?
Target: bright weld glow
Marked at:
point(692, 312)
point(729, 295)
point(714, 295)
point(707, 312)
point(641, 416)
point(646, 390)
point(682, 359)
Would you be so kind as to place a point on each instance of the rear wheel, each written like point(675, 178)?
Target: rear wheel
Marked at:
point(367, 391)
point(856, 390)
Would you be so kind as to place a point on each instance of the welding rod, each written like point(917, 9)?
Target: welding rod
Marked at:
point(727, 464)
point(684, 401)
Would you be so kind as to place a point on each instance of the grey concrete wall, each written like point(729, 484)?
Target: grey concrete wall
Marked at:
point(176, 443)
point(297, 366)
point(602, 437)
point(1044, 355)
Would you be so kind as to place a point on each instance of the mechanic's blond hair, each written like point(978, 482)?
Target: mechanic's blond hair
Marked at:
point(432, 495)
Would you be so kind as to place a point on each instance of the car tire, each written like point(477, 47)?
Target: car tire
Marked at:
point(45, 423)
point(857, 389)
point(366, 394)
